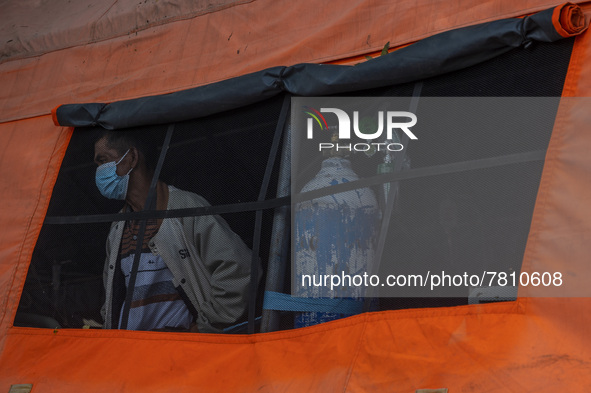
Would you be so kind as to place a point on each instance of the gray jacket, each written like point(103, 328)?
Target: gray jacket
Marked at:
point(207, 259)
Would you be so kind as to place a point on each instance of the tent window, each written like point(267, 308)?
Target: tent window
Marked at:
point(477, 214)
point(222, 158)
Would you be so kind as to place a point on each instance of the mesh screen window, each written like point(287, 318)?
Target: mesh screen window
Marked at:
point(481, 214)
point(215, 161)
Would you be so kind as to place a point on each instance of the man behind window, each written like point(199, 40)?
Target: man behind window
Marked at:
point(194, 272)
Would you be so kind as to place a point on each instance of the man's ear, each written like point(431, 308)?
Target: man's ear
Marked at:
point(135, 157)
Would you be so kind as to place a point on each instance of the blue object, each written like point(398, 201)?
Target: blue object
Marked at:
point(284, 302)
point(333, 235)
point(109, 183)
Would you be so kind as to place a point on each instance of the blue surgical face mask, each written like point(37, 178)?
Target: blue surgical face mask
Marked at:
point(109, 183)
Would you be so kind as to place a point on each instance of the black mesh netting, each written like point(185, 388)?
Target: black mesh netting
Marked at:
point(456, 218)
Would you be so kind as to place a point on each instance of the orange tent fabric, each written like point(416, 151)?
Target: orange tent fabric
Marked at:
point(97, 58)
point(533, 344)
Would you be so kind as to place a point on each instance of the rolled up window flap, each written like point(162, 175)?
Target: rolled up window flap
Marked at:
point(569, 20)
point(78, 115)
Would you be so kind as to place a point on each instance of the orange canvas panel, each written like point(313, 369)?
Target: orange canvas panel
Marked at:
point(28, 175)
point(494, 348)
point(37, 27)
point(206, 363)
point(561, 224)
point(249, 37)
